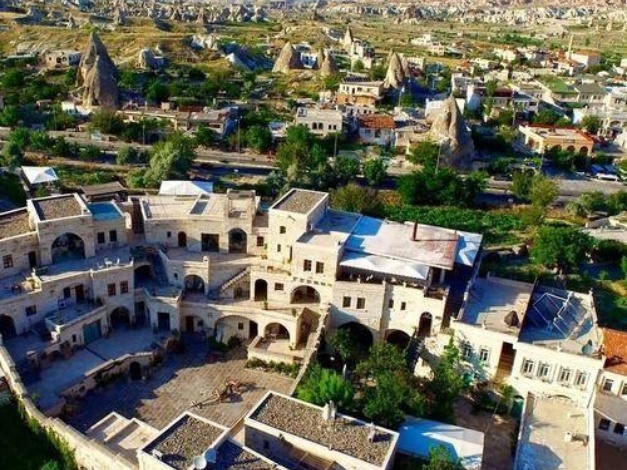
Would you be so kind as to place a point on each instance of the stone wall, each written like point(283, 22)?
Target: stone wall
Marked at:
point(18, 248)
point(88, 453)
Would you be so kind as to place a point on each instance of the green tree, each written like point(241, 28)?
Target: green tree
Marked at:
point(446, 386)
point(170, 159)
point(394, 395)
point(346, 169)
point(259, 138)
point(546, 117)
point(521, 184)
point(206, 137)
point(591, 124)
point(424, 153)
point(10, 116)
point(323, 385)
point(543, 192)
point(51, 465)
point(358, 66)
point(107, 121)
point(383, 358)
point(623, 266)
point(90, 153)
point(355, 198)
point(13, 78)
point(345, 345)
point(12, 155)
point(41, 141)
point(375, 171)
point(21, 137)
point(157, 92)
point(564, 248)
point(127, 155)
point(441, 459)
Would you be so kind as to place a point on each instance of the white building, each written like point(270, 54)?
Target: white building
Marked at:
point(320, 121)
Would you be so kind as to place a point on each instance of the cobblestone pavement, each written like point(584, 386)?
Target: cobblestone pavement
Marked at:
point(172, 388)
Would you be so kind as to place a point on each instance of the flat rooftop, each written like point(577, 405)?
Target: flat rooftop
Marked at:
point(334, 228)
point(188, 437)
point(431, 246)
point(14, 223)
point(205, 206)
point(564, 320)
point(346, 435)
point(232, 456)
point(615, 351)
point(498, 304)
point(543, 446)
point(301, 201)
point(58, 207)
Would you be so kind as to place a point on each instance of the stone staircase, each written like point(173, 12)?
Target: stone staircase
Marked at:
point(412, 352)
point(136, 216)
point(238, 276)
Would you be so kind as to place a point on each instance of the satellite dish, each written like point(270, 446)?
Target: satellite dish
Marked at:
point(200, 462)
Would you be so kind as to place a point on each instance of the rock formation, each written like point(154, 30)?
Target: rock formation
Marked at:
point(327, 64)
point(398, 71)
point(288, 60)
point(450, 131)
point(146, 60)
point(97, 75)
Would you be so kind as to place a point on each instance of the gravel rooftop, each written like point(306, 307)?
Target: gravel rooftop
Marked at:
point(14, 223)
point(185, 440)
point(58, 207)
point(299, 201)
point(233, 457)
point(346, 436)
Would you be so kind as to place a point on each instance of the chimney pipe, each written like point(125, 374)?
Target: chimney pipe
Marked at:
point(413, 237)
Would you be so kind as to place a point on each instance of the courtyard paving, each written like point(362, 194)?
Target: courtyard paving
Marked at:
point(173, 387)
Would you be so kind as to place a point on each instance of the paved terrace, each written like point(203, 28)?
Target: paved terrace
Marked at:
point(183, 379)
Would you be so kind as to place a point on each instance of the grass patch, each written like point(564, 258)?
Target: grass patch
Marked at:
point(611, 303)
point(20, 447)
point(75, 176)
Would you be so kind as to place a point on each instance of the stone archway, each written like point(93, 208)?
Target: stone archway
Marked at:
point(194, 283)
point(7, 327)
point(67, 247)
point(237, 241)
point(305, 295)
point(360, 333)
point(276, 331)
point(120, 317)
point(425, 324)
point(398, 338)
point(261, 290)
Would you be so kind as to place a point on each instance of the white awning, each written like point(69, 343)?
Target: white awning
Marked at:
point(39, 174)
point(185, 188)
point(382, 264)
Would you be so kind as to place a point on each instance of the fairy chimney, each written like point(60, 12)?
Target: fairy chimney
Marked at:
point(288, 60)
point(97, 75)
point(450, 131)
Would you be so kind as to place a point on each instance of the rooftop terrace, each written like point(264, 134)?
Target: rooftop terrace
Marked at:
point(187, 438)
point(334, 228)
point(543, 445)
point(14, 223)
point(497, 304)
point(345, 435)
point(58, 207)
point(300, 201)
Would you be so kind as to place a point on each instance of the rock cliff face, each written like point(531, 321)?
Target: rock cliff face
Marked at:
point(97, 76)
point(398, 71)
point(328, 66)
point(288, 60)
point(449, 130)
point(146, 60)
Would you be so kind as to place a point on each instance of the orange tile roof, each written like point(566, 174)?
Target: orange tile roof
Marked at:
point(615, 351)
point(376, 121)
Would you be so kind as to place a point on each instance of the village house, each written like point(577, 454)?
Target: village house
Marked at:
point(541, 139)
point(62, 58)
point(321, 122)
point(360, 91)
point(377, 129)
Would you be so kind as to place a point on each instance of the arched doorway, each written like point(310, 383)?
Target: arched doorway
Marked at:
point(424, 326)
point(361, 334)
point(120, 318)
point(67, 247)
point(135, 370)
point(583, 150)
point(7, 327)
point(143, 274)
point(276, 331)
point(194, 283)
point(398, 338)
point(261, 290)
point(237, 241)
point(182, 239)
point(305, 295)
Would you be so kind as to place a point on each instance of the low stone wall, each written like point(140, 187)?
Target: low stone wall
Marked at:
point(89, 454)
